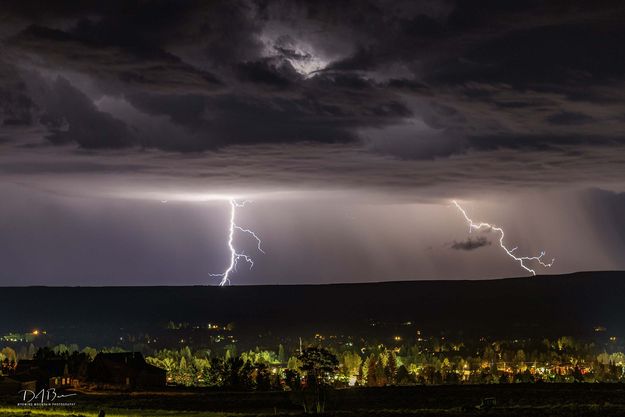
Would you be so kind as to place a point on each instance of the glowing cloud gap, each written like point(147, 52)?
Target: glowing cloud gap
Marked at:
point(520, 259)
point(234, 255)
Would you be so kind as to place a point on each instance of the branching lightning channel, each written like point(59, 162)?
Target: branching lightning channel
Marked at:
point(510, 252)
point(234, 255)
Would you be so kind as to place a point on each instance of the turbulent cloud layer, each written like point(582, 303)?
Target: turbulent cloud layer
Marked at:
point(413, 80)
point(363, 101)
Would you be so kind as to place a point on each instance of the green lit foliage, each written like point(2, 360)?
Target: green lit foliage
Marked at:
point(435, 360)
point(319, 367)
point(8, 354)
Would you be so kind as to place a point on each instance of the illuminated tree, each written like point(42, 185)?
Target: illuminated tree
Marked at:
point(293, 363)
point(60, 349)
point(9, 354)
point(390, 370)
point(404, 377)
point(380, 370)
point(45, 353)
point(215, 374)
point(292, 379)
point(90, 352)
point(30, 352)
point(350, 364)
point(262, 377)
point(519, 360)
point(371, 364)
point(319, 367)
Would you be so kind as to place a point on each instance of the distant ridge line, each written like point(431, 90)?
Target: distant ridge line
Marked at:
point(407, 281)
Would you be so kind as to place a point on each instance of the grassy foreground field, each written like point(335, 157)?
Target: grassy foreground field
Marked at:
point(20, 412)
point(499, 412)
point(577, 400)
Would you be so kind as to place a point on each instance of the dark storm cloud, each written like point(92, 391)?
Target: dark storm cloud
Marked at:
point(480, 76)
point(125, 68)
point(503, 75)
point(71, 117)
point(15, 103)
point(569, 118)
point(471, 244)
point(297, 115)
point(251, 99)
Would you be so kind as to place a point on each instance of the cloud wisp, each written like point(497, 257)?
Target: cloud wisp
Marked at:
point(471, 243)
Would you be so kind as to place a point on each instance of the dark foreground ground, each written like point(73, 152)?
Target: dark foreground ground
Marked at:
point(512, 400)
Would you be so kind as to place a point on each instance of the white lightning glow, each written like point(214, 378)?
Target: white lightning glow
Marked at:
point(520, 259)
point(234, 255)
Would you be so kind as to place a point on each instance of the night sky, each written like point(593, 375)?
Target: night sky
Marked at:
point(126, 127)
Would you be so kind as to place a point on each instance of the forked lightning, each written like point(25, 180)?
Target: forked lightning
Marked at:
point(234, 255)
point(520, 259)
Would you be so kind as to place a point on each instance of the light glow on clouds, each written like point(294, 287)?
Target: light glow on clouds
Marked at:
point(300, 54)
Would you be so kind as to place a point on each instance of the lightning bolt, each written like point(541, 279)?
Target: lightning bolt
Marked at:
point(520, 259)
point(234, 255)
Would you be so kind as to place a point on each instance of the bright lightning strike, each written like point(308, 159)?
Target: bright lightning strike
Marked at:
point(234, 255)
point(520, 259)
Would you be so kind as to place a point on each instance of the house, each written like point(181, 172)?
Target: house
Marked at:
point(49, 373)
point(126, 369)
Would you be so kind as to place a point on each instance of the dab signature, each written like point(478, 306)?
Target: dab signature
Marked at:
point(43, 395)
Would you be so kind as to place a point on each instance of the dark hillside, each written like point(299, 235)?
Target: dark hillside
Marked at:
point(546, 305)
